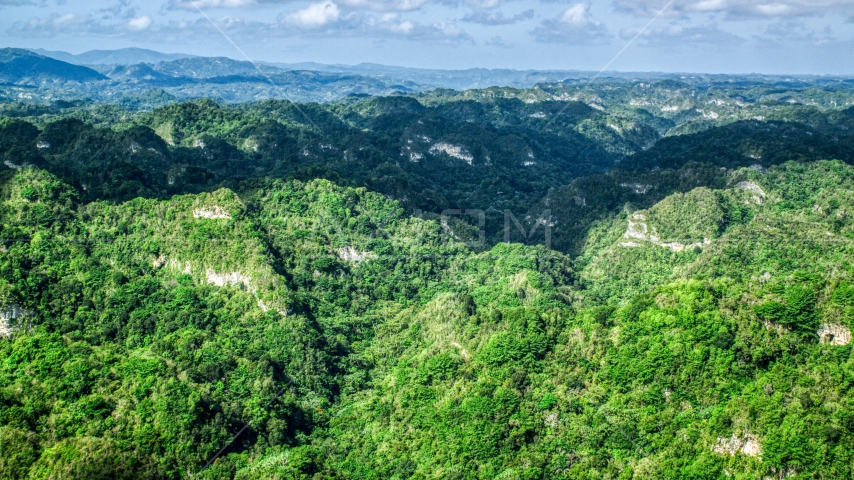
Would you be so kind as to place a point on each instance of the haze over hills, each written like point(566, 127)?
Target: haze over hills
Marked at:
point(23, 66)
point(38, 78)
point(456, 79)
point(240, 81)
point(121, 56)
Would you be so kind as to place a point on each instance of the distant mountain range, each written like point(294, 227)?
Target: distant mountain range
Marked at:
point(18, 66)
point(127, 75)
point(122, 56)
point(121, 77)
point(208, 67)
point(455, 79)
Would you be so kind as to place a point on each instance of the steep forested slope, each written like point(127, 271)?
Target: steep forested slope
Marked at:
point(669, 361)
point(356, 342)
point(492, 155)
point(158, 328)
point(215, 291)
point(18, 66)
point(394, 146)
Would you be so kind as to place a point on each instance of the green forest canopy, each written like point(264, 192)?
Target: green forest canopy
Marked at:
point(696, 324)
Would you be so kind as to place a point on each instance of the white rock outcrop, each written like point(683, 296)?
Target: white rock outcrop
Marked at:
point(230, 278)
point(352, 255)
point(8, 315)
point(159, 261)
point(639, 230)
point(639, 188)
point(452, 151)
point(637, 227)
point(213, 212)
point(834, 334)
point(758, 195)
point(747, 445)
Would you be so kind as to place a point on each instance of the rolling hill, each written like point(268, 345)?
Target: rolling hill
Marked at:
point(336, 290)
point(23, 67)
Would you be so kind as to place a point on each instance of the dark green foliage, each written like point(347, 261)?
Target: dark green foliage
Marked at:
point(149, 315)
point(18, 66)
point(747, 143)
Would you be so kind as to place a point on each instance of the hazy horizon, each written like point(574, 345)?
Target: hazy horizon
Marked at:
point(354, 65)
point(784, 37)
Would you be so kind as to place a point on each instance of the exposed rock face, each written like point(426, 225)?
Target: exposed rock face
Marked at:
point(747, 445)
point(231, 278)
point(639, 230)
point(7, 316)
point(238, 279)
point(834, 334)
point(159, 262)
point(185, 267)
point(211, 212)
point(352, 255)
point(453, 151)
point(637, 227)
point(638, 188)
point(758, 195)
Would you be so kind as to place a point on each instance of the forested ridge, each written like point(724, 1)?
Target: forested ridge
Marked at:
point(276, 279)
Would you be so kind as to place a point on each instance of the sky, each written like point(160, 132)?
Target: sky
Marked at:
point(698, 36)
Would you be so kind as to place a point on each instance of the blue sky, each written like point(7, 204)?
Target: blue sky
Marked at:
point(712, 36)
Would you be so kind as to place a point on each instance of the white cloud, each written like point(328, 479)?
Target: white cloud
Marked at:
point(52, 24)
point(193, 4)
point(357, 5)
point(392, 25)
point(483, 4)
point(739, 8)
point(676, 35)
point(140, 23)
point(15, 3)
point(574, 26)
point(497, 41)
point(497, 18)
point(384, 5)
point(314, 16)
point(792, 30)
point(576, 16)
point(83, 25)
point(324, 19)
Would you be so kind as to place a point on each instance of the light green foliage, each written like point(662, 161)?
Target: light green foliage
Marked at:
point(358, 342)
point(352, 340)
point(689, 217)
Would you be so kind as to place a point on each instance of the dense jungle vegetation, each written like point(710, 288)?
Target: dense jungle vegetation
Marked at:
point(270, 290)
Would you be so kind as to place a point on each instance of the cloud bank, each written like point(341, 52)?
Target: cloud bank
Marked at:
point(574, 26)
